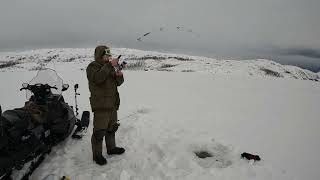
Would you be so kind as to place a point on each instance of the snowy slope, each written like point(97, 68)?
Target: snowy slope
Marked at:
point(147, 60)
point(168, 116)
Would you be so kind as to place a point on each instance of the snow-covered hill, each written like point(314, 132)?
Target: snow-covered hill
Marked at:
point(155, 61)
point(167, 117)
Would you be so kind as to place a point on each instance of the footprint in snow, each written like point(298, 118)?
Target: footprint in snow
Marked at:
point(143, 111)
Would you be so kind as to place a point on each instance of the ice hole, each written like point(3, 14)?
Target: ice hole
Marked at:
point(203, 154)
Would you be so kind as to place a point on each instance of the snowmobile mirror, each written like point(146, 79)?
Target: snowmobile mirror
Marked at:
point(25, 85)
point(65, 87)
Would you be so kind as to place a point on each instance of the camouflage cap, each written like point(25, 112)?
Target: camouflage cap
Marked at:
point(100, 51)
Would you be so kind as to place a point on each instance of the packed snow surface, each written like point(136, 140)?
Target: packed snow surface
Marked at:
point(155, 61)
point(168, 113)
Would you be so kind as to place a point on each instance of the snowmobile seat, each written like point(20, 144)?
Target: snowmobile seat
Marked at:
point(17, 118)
point(16, 122)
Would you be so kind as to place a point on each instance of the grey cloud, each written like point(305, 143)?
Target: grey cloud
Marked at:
point(226, 28)
point(306, 52)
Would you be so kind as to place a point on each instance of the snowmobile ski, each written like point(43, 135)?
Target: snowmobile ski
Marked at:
point(82, 125)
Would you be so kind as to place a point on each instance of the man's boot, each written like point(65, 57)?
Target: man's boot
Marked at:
point(116, 150)
point(100, 160)
point(96, 142)
point(111, 144)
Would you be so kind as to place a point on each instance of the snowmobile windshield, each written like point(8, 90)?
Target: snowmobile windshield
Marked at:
point(47, 76)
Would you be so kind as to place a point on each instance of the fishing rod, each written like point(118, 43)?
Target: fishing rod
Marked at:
point(163, 29)
point(141, 38)
point(119, 67)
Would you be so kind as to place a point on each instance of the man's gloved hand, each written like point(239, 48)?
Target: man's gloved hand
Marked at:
point(119, 73)
point(114, 61)
point(114, 127)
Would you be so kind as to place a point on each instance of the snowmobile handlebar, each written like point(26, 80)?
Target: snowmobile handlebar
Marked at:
point(41, 92)
point(37, 86)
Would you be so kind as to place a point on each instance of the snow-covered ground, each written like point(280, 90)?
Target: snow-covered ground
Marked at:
point(155, 61)
point(168, 116)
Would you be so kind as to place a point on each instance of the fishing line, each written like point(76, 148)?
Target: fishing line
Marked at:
point(163, 29)
point(160, 29)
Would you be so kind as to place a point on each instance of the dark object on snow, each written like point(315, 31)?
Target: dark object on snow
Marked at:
point(203, 154)
point(27, 134)
point(249, 156)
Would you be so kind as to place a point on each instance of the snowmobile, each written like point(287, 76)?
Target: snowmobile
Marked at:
point(27, 134)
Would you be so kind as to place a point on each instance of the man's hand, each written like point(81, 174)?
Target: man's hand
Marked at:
point(114, 61)
point(119, 73)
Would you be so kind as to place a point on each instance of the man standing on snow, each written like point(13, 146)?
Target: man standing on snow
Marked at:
point(105, 101)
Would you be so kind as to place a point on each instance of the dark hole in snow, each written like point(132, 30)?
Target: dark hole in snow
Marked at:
point(203, 154)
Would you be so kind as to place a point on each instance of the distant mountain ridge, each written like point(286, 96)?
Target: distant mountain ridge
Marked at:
point(155, 61)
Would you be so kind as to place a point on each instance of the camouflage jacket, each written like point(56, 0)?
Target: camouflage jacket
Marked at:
point(103, 86)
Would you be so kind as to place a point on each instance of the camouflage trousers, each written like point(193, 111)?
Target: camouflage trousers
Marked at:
point(104, 126)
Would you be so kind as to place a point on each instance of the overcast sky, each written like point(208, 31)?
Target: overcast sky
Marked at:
point(287, 31)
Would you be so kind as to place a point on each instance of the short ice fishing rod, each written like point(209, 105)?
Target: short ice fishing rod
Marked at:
point(119, 67)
